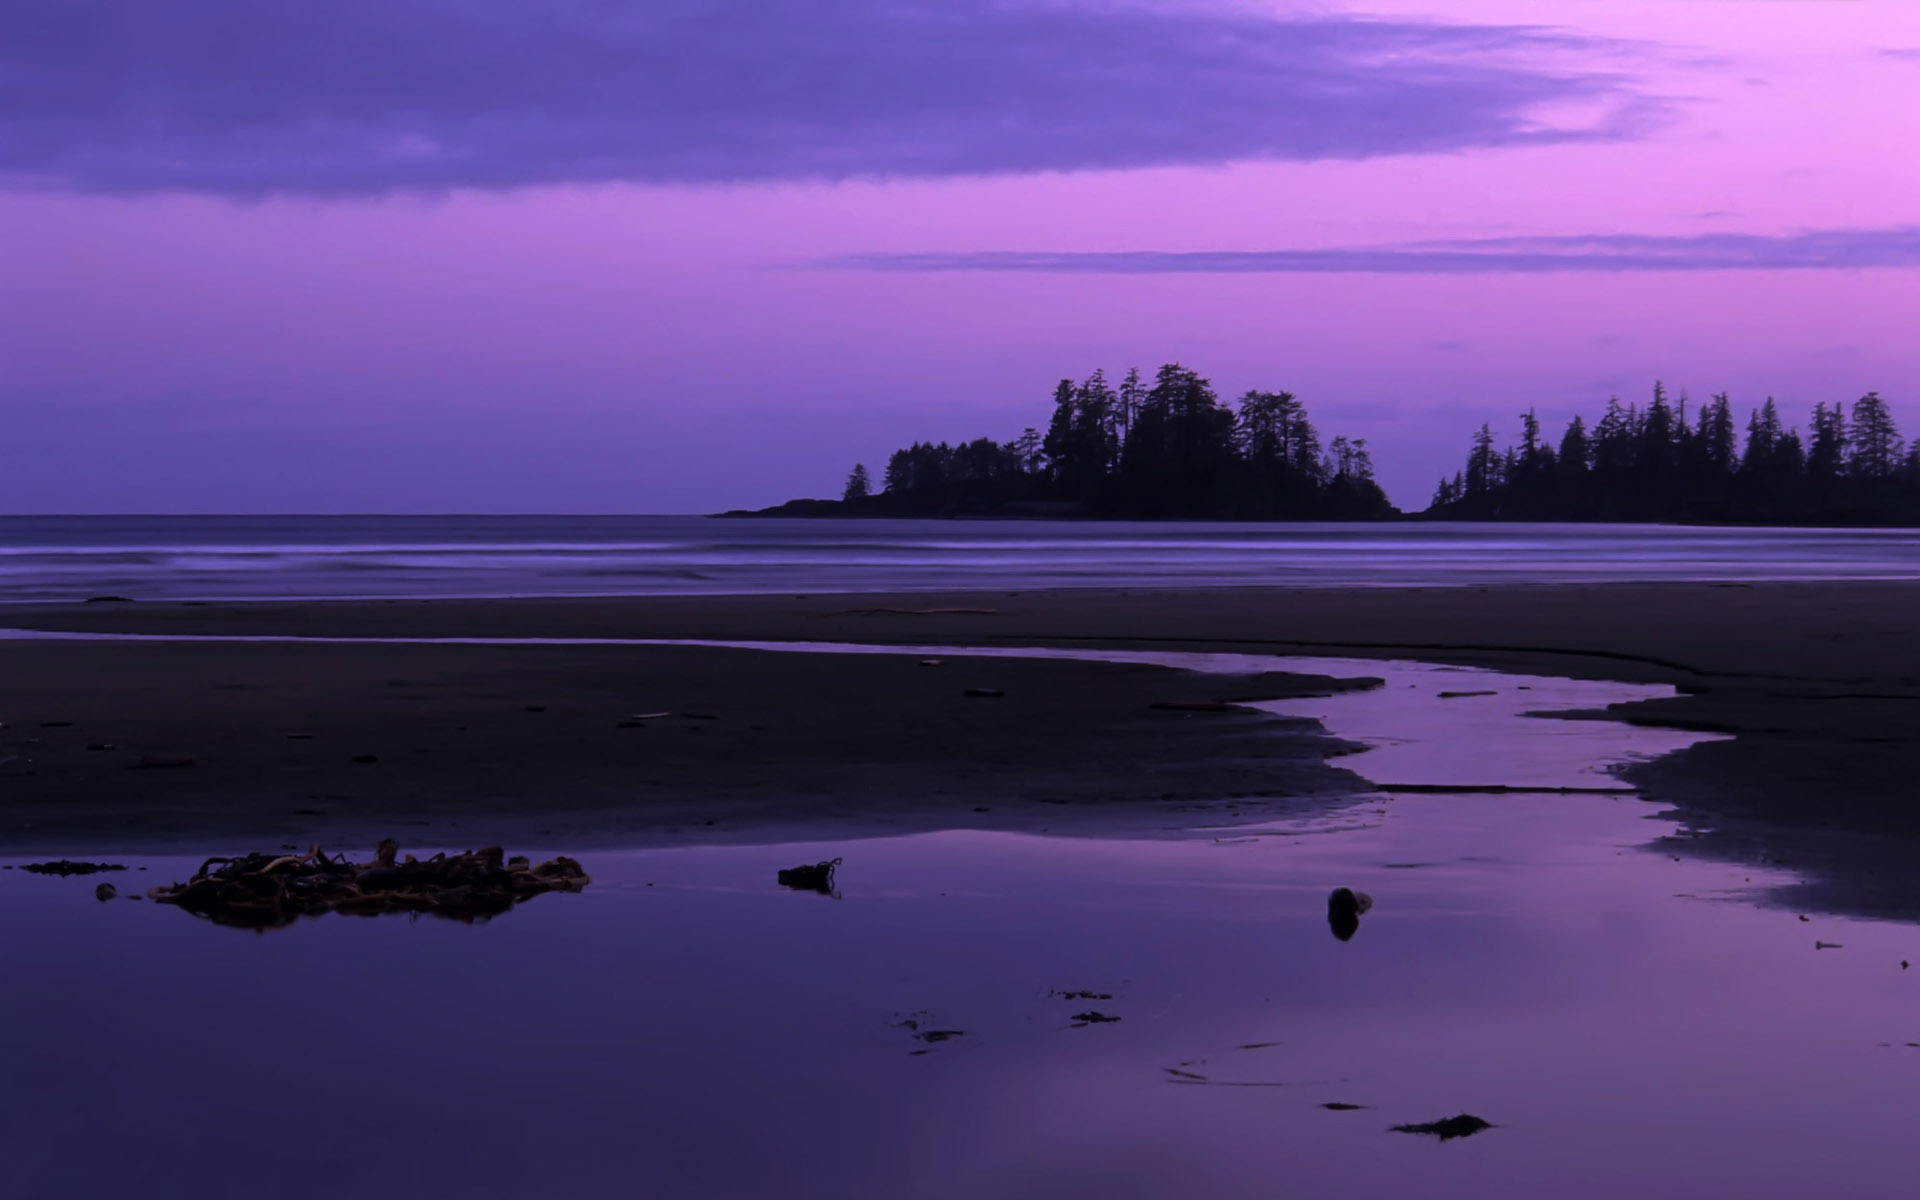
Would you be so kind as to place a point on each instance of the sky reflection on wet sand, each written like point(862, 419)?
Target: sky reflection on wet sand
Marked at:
point(687, 1027)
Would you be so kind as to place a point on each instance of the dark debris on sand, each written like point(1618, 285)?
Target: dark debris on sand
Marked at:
point(810, 877)
point(919, 1024)
point(266, 891)
point(67, 866)
point(1448, 1128)
point(1092, 1017)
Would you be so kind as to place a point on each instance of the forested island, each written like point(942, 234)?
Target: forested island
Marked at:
point(1172, 449)
point(1169, 449)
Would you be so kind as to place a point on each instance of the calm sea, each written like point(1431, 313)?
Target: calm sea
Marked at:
point(59, 558)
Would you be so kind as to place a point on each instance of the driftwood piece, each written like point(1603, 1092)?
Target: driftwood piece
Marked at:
point(266, 891)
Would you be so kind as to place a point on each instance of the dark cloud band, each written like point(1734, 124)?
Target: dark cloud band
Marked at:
point(358, 96)
point(1823, 250)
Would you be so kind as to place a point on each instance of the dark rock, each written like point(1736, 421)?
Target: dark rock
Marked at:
point(1093, 1017)
point(107, 600)
point(105, 891)
point(1337, 1106)
point(985, 693)
point(1344, 908)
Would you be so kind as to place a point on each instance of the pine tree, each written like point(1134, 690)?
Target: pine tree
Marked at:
point(1875, 449)
point(1827, 454)
point(1719, 449)
point(859, 484)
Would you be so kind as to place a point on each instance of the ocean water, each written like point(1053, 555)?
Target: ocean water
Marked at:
point(154, 558)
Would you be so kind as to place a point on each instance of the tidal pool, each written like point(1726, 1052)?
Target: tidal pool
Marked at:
point(686, 1027)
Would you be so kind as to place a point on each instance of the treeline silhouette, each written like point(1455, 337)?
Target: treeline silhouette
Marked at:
point(1165, 449)
point(1657, 463)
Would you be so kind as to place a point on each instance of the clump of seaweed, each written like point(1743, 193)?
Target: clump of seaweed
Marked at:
point(1448, 1128)
point(265, 891)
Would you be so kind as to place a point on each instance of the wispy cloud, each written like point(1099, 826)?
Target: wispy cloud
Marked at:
point(1819, 250)
point(363, 96)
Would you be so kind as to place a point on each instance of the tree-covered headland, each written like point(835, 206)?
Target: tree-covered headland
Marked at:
point(1661, 463)
point(1165, 449)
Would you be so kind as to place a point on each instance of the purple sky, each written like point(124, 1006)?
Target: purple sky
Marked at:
point(592, 255)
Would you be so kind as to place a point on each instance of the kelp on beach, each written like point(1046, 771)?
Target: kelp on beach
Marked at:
point(265, 891)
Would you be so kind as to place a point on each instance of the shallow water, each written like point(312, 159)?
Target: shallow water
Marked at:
point(155, 558)
point(687, 1028)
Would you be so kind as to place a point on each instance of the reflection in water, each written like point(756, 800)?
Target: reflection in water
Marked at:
point(1536, 970)
point(1344, 909)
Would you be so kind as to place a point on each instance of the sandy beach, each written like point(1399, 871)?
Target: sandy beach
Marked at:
point(141, 744)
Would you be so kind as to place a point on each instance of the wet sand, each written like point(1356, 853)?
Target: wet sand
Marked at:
point(1820, 683)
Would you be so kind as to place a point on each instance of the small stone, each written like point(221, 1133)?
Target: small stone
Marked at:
point(105, 891)
point(1344, 910)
